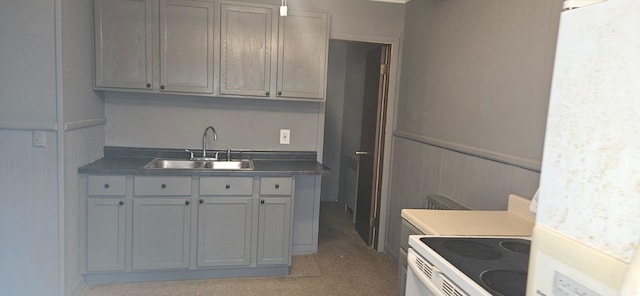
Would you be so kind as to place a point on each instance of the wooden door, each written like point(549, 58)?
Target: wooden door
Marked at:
point(247, 40)
point(123, 44)
point(186, 46)
point(371, 144)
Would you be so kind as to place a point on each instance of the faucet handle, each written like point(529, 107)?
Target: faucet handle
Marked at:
point(190, 153)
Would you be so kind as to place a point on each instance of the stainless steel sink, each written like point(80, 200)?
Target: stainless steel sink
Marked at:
point(232, 165)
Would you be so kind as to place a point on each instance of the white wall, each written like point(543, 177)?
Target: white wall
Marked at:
point(479, 75)
point(27, 36)
point(333, 119)
point(83, 117)
point(168, 121)
point(472, 106)
point(29, 248)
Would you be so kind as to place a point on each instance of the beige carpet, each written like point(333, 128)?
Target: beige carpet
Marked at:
point(344, 265)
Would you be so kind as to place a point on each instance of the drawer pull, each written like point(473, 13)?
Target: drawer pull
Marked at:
point(121, 203)
point(186, 202)
point(277, 186)
point(201, 201)
point(107, 186)
point(163, 186)
point(227, 186)
point(262, 201)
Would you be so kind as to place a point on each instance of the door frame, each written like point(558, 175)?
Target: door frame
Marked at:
point(392, 102)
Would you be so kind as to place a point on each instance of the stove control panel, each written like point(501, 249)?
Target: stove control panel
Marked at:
point(566, 286)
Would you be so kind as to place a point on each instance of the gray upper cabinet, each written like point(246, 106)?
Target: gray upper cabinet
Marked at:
point(186, 46)
point(248, 36)
point(234, 49)
point(302, 55)
point(123, 44)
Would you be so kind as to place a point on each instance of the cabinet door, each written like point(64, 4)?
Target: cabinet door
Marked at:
point(224, 231)
point(105, 234)
point(274, 235)
point(123, 40)
point(246, 38)
point(186, 46)
point(302, 55)
point(161, 233)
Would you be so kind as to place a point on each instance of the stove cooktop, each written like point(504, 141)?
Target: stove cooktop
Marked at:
point(498, 265)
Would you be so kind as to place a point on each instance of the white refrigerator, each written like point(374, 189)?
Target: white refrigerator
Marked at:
point(588, 224)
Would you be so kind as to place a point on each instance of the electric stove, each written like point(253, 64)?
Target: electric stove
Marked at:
point(464, 265)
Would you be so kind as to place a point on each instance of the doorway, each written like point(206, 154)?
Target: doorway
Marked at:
point(355, 119)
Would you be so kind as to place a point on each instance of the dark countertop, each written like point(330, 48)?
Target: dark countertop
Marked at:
point(117, 162)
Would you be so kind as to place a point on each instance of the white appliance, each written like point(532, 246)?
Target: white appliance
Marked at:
point(588, 219)
point(466, 265)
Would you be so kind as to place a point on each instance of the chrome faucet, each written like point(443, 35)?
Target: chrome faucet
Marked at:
point(204, 139)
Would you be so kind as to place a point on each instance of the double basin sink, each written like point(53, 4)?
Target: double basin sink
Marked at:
point(195, 164)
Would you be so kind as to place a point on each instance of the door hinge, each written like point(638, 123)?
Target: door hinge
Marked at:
point(384, 69)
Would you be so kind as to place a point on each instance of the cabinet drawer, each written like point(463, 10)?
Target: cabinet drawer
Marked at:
point(162, 186)
point(107, 185)
point(226, 186)
point(275, 186)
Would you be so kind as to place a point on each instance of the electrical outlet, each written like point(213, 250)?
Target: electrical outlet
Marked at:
point(285, 136)
point(38, 139)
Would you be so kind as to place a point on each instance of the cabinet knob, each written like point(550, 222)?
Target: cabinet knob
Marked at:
point(163, 186)
point(121, 203)
point(279, 93)
point(201, 201)
point(227, 186)
point(162, 87)
point(107, 186)
point(277, 186)
point(262, 201)
point(267, 94)
point(186, 202)
point(148, 85)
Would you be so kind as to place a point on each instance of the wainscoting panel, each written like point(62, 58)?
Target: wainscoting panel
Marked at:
point(420, 169)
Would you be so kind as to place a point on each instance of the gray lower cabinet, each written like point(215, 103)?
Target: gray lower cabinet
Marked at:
point(161, 222)
point(406, 230)
point(106, 234)
point(163, 227)
point(274, 220)
point(106, 223)
point(161, 233)
point(225, 212)
point(274, 233)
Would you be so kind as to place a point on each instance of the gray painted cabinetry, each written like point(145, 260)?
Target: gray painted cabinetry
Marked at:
point(161, 222)
point(225, 211)
point(125, 36)
point(405, 231)
point(246, 48)
point(181, 227)
point(274, 227)
point(106, 223)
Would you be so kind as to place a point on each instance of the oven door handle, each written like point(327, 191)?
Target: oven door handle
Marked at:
point(426, 282)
